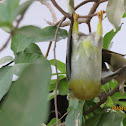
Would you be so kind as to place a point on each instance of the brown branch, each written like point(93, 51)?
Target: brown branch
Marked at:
point(62, 117)
point(84, 2)
point(57, 81)
point(102, 101)
point(89, 16)
point(101, 1)
point(50, 9)
point(47, 53)
point(12, 32)
point(93, 9)
point(50, 44)
point(60, 9)
point(82, 18)
point(89, 27)
point(62, 124)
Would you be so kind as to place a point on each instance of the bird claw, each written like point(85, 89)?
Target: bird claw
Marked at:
point(75, 16)
point(100, 15)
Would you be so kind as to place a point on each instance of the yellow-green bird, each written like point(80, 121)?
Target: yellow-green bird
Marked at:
point(84, 60)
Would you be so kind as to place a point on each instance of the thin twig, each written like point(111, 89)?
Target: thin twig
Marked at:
point(12, 32)
point(102, 101)
point(57, 81)
point(81, 20)
point(50, 43)
point(101, 1)
point(93, 9)
point(89, 27)
point(50, 9)
point(62, 124)
point(84, 2)
point(47, 53)
point(60, 9)
point(89, 16)
point(6, 43)
point(62, 117)
point(87, 1)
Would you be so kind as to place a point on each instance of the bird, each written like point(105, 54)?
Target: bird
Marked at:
point(84, 60)
point(117, 66)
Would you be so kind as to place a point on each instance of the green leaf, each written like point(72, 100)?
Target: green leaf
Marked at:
point(110, 119)
point(113, 84)
point(124, 15)
point(32, 54)
point(7, 12)
point(51, 95)
point(22, 60)
point(63, 87)
point(32, 34)
point(26, 103)
point(7, 29)
point(115, 11)
point(74, 117)
point(118, 96)
point(33, 48)
point(6, 59)
point(105, 119)
point(109, 102)
point(109, 36)
point(124, 121)
point(4, 16)
point(93, 121)
point(105, 87)
point(60, 65)
point(73, 104)
point(52, 122)
point(11, 8)
point(23, 7)
point(6, 75)
point(52, 84)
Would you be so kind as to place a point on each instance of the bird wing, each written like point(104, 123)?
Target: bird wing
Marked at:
point(69, 52)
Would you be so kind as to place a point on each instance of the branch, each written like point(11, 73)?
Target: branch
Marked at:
point(89, 27)
point(80, 20)
point(93, 9)
point(114, 75)
point(50, 9)
point(62, 117)
point(102, 101)
point(87, 1)
point(57, 81)
point(50, 44)
point(89, 16)
point(101, 1)
point(60, 9)
point(12, 32)
point(84, 2)
point(47, 53)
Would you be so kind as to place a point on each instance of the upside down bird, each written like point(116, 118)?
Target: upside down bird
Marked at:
point(84, 60)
